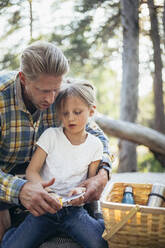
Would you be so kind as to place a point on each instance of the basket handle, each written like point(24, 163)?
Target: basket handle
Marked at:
point(119, 225)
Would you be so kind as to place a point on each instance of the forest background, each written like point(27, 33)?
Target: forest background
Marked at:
point(117, 45)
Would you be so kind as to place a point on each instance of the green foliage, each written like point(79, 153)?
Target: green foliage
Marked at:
point(147, 163)
point(146, 110)
point(4, 4)
point(10, 61)
point(86, 5)
point(15, 18)
point(86, 38)
point(107, 87)
point(85, 42)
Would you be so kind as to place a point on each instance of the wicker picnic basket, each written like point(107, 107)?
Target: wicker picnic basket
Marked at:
point(128, 226)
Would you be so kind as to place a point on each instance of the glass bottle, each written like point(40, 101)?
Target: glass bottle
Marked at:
point(128, 196)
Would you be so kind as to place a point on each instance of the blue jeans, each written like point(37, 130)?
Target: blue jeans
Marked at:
point(73, 221)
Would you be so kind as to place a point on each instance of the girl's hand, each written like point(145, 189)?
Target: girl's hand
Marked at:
point(75, 191)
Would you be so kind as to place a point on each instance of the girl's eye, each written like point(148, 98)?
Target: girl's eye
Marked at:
point(65, 113)
point(77, 112)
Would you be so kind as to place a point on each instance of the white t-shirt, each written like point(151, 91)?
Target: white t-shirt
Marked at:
point(66, 162)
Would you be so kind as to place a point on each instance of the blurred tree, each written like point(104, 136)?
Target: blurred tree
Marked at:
point(87, 42)
point(7, 8)
point(159, 114)
point(86, 37)
point(3, 4)
point(159, 119)
point(31, 19)
point(95, 44)
point(16, 21)
point(129, 91)
point(164, 21)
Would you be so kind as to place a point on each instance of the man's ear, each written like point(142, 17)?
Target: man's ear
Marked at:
point(92, 110)
point(22, 78)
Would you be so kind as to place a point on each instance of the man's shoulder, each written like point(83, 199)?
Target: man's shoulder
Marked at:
point(94, 139)
point(6, 79)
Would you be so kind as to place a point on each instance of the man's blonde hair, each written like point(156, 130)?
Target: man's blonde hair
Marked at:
point(43, 58)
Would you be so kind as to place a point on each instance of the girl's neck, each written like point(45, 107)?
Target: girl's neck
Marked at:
point(76, 139)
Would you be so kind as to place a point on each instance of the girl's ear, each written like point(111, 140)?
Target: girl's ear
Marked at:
point(92, 110)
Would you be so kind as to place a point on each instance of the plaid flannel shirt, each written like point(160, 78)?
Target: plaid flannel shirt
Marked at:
point(18, 134)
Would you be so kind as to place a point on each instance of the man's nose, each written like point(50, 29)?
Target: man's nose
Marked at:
point(50, 98)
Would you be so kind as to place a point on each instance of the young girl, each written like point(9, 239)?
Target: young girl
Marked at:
point(70, 155)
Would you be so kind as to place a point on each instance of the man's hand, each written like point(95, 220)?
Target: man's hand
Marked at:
point(37, 200)
point(75, 191)
point(94, 186)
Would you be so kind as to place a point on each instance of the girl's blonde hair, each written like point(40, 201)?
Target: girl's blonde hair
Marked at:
point(43, 57)
point(79, 88)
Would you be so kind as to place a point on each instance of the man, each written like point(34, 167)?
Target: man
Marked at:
point(27, 101)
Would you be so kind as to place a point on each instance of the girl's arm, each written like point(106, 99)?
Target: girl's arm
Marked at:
point(36, 163)
point(91, 173)
point(33, 175)
point(93, 168)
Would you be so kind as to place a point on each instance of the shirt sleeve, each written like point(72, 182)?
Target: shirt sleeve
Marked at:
point(94, 129)
point(98, 153)
point(10, 187)
point(46, 140)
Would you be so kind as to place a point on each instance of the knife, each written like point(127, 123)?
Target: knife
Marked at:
point(66, 199)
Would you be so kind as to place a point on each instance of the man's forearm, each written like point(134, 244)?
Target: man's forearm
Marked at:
point(104, 176)
point(95, 186)
point(10, 187)
point(33, 176)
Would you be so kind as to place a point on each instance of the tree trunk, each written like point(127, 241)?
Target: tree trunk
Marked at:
point(136, 133)
point(31, 19)
point(164, 22)
point(159, 119)
point(129, 91)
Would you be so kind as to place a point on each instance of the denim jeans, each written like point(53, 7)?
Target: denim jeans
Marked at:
point(73, 221)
